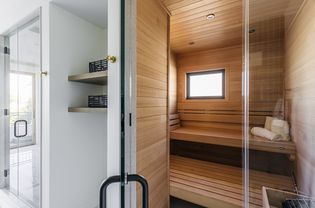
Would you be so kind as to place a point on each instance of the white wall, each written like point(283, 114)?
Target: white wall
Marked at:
point(13, 11)
point(77, 140)
point(114, 112)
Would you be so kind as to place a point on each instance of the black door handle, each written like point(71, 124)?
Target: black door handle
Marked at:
point(15, 128)
point(130, 178)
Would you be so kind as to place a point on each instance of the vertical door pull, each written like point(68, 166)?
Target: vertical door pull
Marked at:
point(15, 128)
point(130, 178)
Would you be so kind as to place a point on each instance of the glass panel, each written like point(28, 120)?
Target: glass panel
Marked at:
point(24, 88)
point(14, 151)
point(3, 155)
point(280, 78)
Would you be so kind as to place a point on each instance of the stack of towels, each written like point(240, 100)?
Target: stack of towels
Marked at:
point(275, 130)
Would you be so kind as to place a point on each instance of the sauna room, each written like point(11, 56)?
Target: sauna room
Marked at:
point(241, 104)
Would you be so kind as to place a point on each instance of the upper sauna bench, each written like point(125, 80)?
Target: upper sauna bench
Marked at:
point(231, 138)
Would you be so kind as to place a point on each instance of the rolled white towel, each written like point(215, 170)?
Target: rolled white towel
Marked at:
point(281, 127)
point(262, 132)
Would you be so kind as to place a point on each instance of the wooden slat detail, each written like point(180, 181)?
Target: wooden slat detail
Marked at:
point(152, 101)
point(174, 122)
point(231, 138)
point(172, 85)
point(209, 111)
point(267, 66)
point(215, 185)
point(189, 24)
point(174, 127)
point(174, 116)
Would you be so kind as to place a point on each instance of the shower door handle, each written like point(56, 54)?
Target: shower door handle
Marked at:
point(130, 178)
point(15, 128)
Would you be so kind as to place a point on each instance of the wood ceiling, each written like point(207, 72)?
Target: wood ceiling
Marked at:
point(191, 31)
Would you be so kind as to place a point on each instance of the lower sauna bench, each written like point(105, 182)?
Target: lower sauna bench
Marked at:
point(215, 185)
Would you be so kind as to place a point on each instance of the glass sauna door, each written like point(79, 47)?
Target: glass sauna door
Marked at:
point(280, 106)
point(23, 141)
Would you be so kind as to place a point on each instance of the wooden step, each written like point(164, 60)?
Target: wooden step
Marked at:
point(216, 185)
point(231, 138)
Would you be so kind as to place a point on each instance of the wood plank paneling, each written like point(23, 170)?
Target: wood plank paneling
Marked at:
point(172, 84)
point(266, 68)
point(300, 91)
point(191, 31)
point(212, 112)
point(152, 101)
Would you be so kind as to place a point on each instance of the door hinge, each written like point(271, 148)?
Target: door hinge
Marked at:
point(6, 112)
point(130, 119)
point(6, 50)
point(6, 173)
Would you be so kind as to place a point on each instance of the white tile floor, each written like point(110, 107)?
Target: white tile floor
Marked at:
point(25, 185)
point(9, 200)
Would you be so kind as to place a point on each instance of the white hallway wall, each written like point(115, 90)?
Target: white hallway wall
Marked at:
point(77, 140)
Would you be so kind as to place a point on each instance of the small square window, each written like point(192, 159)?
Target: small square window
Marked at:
point(206, 84)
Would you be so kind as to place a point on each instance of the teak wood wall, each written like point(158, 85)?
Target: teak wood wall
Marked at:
point(300, 92)
point(152, 103)
point(225, 113)
point(266, 68)
point(172, 84)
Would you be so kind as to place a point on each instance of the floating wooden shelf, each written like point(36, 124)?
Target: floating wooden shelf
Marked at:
point(86, 110)
point(98, 78)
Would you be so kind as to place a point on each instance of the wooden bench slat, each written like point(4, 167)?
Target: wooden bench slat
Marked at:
point(174, 116)
point(231, 138)
point(173, 127)
point(174, 122)
point(216, 185)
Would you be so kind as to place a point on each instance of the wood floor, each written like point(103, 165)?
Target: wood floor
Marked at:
point(215, 185)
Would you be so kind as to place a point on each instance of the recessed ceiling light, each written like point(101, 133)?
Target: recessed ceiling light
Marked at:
point(210, 16)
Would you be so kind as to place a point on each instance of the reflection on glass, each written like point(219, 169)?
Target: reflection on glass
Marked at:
point(272, 154)
point(24, 141)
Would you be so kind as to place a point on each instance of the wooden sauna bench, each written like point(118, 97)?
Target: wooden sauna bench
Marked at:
point(215, 185)
point(231, 138)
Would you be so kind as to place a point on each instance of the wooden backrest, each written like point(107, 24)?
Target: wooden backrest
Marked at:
point(174, 121)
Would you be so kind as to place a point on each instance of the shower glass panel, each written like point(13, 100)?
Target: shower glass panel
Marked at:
point(272, 55)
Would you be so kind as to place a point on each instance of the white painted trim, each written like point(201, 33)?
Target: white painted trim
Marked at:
point(114, 112)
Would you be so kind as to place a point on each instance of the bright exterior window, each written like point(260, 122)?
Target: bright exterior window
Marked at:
point(206, 84)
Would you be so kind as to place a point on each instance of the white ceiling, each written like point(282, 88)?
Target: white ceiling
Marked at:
point(94, 11)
